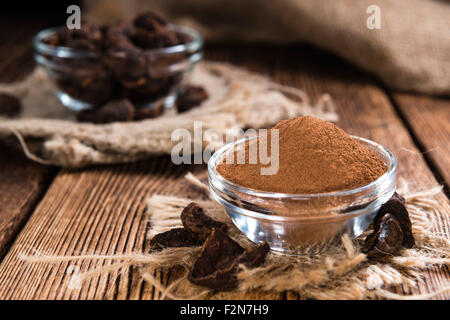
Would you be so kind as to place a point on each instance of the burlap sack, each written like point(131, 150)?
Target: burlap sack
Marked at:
point(411, 51)
point(237, 99)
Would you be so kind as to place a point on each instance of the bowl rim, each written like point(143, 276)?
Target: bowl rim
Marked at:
point(212, 172)
point(67, 52)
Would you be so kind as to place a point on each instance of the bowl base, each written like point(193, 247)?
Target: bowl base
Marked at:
point(293, 242)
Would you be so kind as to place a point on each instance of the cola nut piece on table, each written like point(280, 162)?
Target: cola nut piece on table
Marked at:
point(197, 227)
point(392, 230)
point(191, 97)
point(113, 111)
point(217, 264)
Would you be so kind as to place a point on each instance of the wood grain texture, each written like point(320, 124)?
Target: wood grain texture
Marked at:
point(22, 182)
point(16, 48)
point(102, 209)
point(429, 120)
point(99, 210)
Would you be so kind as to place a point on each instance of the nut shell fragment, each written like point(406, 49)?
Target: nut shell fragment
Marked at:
point(387, 240)
point(215, 267)
point(179, 237)
point(191, 97)
point(217, 264)
point(392, 230)
point(149, 113)
point(195, 219)
point(113, 111)
point(396, 207)
point(197, 227)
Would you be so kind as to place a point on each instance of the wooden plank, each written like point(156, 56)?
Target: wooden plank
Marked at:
point(429, 120)
point(22, 182)
point(99, 210)
point(102, 209)
point(16, 49)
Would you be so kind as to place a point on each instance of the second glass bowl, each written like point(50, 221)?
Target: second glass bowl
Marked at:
point(84, 80)
point(291, 222)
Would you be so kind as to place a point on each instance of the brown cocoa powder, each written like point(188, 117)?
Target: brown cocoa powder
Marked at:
point(315, 156)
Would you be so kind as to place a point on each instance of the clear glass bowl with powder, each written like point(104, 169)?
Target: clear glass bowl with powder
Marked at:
point(290, 222)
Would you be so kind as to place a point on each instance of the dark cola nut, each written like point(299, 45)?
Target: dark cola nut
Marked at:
point(255, 256)
point(117, 37)
point(150, 40)
point(399, 198)
point(195, 219)
point(191, 97)
point(127, 63)
point(113, 111)
point(90, 31)
point(152, 88)
point(10, 105)
point(218, 262)
point(150, 31)
point(89, 37)
point(184, 38)
point(166, 38)
point(197, 227)
point(179, 237)
point(215, 268)
point(91, 89)
point(149, 113)
point(143, 38)
point(88, 115)
point(125, 66)
point(386, 240)
point(396, 207)
point(149, 21)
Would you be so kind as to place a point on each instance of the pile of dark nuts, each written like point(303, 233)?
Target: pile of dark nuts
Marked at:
point(218, 262)
point(119, 75)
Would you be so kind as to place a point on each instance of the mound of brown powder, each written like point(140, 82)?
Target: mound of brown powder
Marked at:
point(315, 156)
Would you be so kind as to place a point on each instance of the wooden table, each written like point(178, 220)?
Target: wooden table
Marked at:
point(101, 209)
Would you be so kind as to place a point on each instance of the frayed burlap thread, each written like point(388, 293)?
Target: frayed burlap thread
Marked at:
point(237, 99)
point(327, 271)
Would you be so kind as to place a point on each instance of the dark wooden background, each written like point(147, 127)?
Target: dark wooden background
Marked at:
point(101, 209)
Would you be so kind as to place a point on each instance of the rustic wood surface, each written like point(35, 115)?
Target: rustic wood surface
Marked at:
point(429, 122)
point(22, 182)
point(22, 185)
point(102, 209)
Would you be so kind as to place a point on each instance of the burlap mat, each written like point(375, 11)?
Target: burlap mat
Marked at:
point(328, 271)
point(238, 99)
point(411, 51)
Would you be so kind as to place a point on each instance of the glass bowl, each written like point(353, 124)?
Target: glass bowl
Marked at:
point(86, 79)
point(292, 222)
